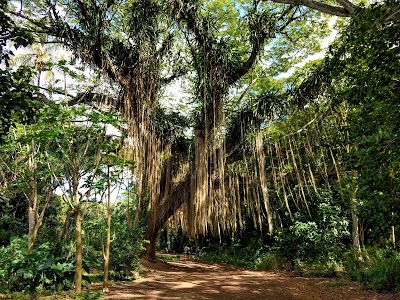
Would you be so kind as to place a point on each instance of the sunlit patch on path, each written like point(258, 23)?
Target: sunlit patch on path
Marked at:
point(194, 279)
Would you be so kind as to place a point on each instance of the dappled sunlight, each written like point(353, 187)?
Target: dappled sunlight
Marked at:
point(260, 165)
point(193, 279)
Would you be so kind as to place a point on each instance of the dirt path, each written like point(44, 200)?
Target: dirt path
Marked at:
point(192, 279)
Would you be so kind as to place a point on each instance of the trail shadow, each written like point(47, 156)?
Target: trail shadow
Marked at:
point(194, 279)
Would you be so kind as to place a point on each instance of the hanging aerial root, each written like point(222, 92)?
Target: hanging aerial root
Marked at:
point(263, 180)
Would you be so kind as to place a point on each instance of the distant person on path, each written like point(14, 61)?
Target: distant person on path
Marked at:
point(198, 252)
point(186, 250)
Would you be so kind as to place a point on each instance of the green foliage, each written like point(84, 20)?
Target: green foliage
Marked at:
point(384, 273)
point(247, 255)
point(377, 268)
point(317, 240)
point(10, 32)
point(126, 245)
point(35, 271)
point(86, 295)
point(359, 79)
point(16, 93)
point(17, 104)
point(51, 295)
point(324, 268)
point(166, 258)
point(271, 261)
point(311, 246)
point(11, 222)
point(172, 127)
point(367, 64)
point(250, 253)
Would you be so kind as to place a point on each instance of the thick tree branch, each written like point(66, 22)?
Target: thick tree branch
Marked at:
point(54, 90)
point(166, 45)
point(395, 16)
point(83, 11)
point(88, 45)
point(175, 199)
point(350, 7)
point(239, 73)
point(322, 7)
point(37, 23)
point(174, 76)
point(261, 35)
point(89, 97)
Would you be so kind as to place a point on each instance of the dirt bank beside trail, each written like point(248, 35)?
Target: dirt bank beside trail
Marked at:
point(193, 279)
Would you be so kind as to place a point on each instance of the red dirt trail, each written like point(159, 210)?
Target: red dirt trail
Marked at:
point(192, 279)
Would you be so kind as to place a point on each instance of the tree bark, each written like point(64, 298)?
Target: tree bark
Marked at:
point(64, 233)
point(393, 237)
point(34, 218)
point(355, 233)
point(78, 249)
point(128, 209)
point(151, 245)
point(322, 7)
point(263, 181)
point(32, 211)
point(78, 221)
point(178, 195)
point(108, 240)
point(168, 240)
point(355, 228)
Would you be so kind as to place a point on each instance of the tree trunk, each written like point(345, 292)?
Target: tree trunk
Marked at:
point(178, 195)
point(32, 215)
point(362, 233)
point(128, 209)
point(355, 233)
point(32, 211)
point(64, 233)
point(38, 79)
point(393, 237)
point(108, 240)
point(151, 236)
point(355, 228)
point(38, 219)
point(151, 246)
point(78, 221)
point(34, 218)
point(65, 87)
point(78, 249)
point(168, 240)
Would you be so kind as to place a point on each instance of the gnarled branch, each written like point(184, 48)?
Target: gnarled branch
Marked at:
point(322, 7)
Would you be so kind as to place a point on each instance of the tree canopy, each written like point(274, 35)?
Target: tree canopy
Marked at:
point(253, 149)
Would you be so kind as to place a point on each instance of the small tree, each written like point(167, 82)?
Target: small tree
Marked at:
point(78, 151)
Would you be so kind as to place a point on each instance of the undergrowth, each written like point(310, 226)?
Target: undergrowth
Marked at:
point(48, 295)
point(375, 268)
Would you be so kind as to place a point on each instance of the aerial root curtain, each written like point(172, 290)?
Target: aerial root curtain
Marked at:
point(285, 172)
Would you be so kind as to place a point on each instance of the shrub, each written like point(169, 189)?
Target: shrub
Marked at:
point(319, 240)
point(125, 247)
point(273, 262)
point(126, 242)
point(384, 273)
point(326, 268)
point(38, 270)
point(378, 268)
point(253, 255)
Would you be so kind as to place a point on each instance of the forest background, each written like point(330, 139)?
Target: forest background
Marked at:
point(296, 173)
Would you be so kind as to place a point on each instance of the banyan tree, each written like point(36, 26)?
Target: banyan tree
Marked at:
point(231, 164)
